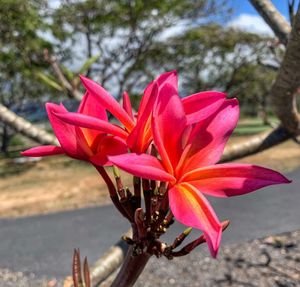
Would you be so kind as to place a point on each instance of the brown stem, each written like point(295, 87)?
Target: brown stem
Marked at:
point(137, 192)
point(131, 269)
point(147, 198)
point(108, 181)
point(112, 191)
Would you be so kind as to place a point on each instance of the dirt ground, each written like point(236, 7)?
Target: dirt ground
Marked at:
point(59, 183)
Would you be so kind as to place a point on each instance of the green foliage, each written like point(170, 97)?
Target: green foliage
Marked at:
point(213, 57)
point(120, 44)
point(123, 32)
point(21, 50)
point(49, 80)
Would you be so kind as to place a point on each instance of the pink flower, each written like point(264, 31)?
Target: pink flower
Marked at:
point(139, 132)
point(190, 143)
point(80, 143)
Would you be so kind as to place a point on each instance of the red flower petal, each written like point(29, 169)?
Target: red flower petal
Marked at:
point(108, 102)
point(71, 138)
point(127, 104)
point(140, 137)
point(168, 124)
point(108, 146)
point(191, 208)
point(91, 107)
point(92, 123)
point(44, 150)
point(208, 138)
point(143, 165)
point(201, 105)
point(223, 180)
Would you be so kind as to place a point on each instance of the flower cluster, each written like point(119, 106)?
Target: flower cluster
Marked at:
point(170, 140)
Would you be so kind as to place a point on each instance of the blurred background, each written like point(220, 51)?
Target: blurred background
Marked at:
point(123, 45)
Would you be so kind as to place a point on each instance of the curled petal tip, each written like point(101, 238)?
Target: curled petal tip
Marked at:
point(43, 151)
point(82, 77)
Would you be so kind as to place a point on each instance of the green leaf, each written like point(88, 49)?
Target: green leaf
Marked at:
point(68, 73)
point(50, 82)
point(89, 62)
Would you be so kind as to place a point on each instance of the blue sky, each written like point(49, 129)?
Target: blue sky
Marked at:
point(246, 18)
point(244, 6)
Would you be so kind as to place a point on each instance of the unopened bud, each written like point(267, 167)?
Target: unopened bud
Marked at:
point(116, 172)
point(187, 231)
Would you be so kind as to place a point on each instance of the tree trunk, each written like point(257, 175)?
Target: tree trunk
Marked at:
point(274, 19)
point(286, 86)
point(256, 144)
point(21, 125)
point(5, 139)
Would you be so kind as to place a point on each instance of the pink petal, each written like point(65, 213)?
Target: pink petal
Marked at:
point(191, 208)
point(223, 180)
point(201, 105)
point(127, 104)
point(168, 124)
point(208, 138)
point(108, 102)
point(140, 137)
point(169, 77)
point(71, 138)
point(44, 150)
point(108, 146)
point(143, 165)
point(92, 123)
point(91, 107)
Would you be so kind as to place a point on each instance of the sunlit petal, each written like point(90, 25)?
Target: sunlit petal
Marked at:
point(143, 165)
point(91, 107)
point(140, 137)
point(191, 208)
point(168, 124)
point(208, 138)
point(201, 105)
point(232, 179)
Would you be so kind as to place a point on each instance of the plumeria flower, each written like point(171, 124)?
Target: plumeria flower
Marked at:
point(139, 132)
point(188, 152)
point(80, 143)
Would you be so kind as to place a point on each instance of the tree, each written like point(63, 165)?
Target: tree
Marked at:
point(21, 56)
point(123, 33)
point(213, 57)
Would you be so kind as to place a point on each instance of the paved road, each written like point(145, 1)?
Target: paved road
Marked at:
point(44, 244)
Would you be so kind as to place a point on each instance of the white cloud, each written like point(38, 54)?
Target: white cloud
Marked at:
point(174, 30)
point(250, 23)
point(54, 4)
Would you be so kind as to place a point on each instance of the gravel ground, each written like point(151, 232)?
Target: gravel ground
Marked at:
point(268, 262)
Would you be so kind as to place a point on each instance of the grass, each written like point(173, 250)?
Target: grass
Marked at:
point(251, 126)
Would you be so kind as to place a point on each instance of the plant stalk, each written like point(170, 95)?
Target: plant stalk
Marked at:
point(131, 269)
